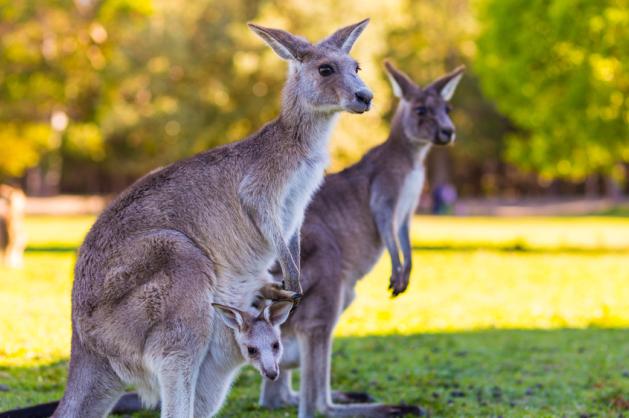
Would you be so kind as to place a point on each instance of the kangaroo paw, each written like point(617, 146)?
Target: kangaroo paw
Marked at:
point(275, 292)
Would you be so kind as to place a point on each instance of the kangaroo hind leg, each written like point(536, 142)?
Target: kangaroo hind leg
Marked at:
point(93, 386)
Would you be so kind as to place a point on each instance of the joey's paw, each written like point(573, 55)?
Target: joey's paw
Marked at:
point(403, 411)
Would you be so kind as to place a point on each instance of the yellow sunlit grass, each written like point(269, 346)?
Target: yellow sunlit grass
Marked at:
point(453, 291)
point(584, 233)
point(574, 273)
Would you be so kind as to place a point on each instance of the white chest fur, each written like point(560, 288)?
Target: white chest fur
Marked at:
point(306, 179)
point(304, 183)
point(409, 194)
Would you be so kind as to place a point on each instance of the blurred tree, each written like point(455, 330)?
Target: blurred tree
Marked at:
point(51, 57)
point(560, 70)
point(432, 38)
point(188, 80)
point(97, 92)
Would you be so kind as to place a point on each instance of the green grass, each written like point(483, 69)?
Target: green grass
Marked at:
point(503, 317)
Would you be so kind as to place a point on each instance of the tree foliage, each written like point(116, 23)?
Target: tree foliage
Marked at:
point(144, 83)
point(560, 70)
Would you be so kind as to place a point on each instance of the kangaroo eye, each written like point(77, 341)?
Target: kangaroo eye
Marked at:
point(252, 351)
point(276, 346)
point(326, 70)
point(448, 109)
point(421, 110)
point(358, 68)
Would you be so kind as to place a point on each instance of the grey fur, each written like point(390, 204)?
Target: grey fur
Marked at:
point(200, 231)
point(353, 217)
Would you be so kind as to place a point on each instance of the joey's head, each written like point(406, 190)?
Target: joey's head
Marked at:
point(258, 336)
point(322, 77)
point(423, 113)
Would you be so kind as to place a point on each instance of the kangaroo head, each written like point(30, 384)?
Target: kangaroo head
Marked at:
point(258, 336)
point(424, 112)
point(322, 77)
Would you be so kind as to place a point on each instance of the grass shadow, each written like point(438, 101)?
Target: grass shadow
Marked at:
point(513, 247)
point(514, 373)
point(52, 249)
point(517, 247)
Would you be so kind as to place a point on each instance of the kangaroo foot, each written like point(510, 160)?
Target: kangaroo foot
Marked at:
point(283, 401)
point(129, 403)
point(351, 397)
point(403, 411)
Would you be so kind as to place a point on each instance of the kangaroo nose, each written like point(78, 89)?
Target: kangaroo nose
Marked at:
point(447, 133)
point(364, 96)
point(271, 375)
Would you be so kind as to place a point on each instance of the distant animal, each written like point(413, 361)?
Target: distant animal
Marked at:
point(200, 231)
point(12, 230)
point(356, 214)
point(242, 337)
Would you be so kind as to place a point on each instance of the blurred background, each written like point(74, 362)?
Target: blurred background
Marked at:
point(96, 93)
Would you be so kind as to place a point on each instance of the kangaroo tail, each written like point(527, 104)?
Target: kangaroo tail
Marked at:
point(128, 403)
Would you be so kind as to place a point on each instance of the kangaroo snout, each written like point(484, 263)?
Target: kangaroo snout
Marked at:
point(362, 101)
point(364, 96)
point(445, 136)
point(271, 374)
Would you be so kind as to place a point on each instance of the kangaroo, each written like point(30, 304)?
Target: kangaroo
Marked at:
point(355, 215)
point(242, 337)
point(203, 230)
point(255, 340)
point(12, 234)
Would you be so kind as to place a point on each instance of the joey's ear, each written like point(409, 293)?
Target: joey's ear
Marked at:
point(277, 312)
point(447, 84)
point(344, 38)
point(232, 317)
point(403, 86)
point(286, 45)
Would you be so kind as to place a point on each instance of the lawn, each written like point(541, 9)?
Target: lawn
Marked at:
point(504, 317)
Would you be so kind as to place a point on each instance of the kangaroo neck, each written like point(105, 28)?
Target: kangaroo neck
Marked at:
point(398, 139)
point(304, 127)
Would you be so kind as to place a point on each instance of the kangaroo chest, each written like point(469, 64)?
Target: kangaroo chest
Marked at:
point(301, 186)
point(410, 191)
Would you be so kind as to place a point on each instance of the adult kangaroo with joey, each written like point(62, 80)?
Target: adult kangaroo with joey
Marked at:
point(241, 337)
point(355, 215)
point(201, 231)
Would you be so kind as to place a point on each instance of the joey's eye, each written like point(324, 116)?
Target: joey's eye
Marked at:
point(276, 346)
point(448, 109)
point(252, 351)
point(358, 68)
point(421, 110)
point(326, 70)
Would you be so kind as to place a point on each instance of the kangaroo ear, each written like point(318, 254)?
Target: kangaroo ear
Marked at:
point(277, 312)
point(344, 38)
point(402, 85)
point(286, 45)
point(232, 317)
point(447, 84)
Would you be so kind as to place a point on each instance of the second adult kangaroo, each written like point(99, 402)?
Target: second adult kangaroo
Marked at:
point(356, 215)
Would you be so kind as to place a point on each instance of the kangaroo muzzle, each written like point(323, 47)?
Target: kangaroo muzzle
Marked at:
point(361, 101)
point(271, 374)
